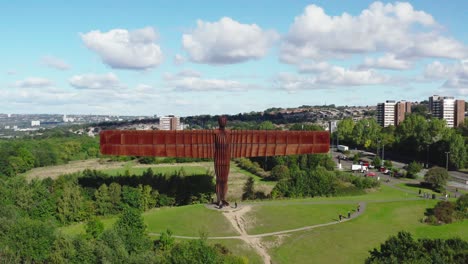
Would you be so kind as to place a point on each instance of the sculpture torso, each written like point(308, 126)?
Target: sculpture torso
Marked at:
point(222, 159)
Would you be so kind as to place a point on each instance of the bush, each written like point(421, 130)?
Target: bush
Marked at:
point(280, 172)
point(436, 177)
point(443, 211)
point(413, 169)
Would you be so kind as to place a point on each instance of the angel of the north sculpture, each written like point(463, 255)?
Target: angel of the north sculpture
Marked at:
point(221, 144)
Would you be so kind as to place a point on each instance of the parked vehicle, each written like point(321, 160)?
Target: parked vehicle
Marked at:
point(358, 167)
point(371, 174)
point(342, 148)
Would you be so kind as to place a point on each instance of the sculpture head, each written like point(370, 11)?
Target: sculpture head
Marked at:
point(222, 120)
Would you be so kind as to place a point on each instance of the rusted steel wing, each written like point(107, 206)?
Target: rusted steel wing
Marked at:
point(187, 143)
point(258, 143)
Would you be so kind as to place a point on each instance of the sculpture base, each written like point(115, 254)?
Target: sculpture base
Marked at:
point(230, 208)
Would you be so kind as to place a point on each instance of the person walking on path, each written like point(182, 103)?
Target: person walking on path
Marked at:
point(358, 208)
point(349, 214)
point(340, 216)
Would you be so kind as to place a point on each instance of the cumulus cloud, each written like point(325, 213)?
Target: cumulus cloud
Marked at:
point(397, 29)
point(329, 76)
point(179, 59)
point(454, 74)
point(227, 41)
point(54, 62)
point(33, 82)
point(388, 61)
point(123, 49)
point(96, 81)
point(188, 80)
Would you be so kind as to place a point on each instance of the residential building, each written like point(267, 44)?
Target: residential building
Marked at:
point(386, 113)
point(459, 112)
point(401, 109)
point(392, 113)
point(447, 108)
point(170, 123)
point(35, 123)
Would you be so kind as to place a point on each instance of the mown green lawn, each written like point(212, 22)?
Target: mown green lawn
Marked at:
point(188, 220)
point(351, 241)
point(276, 217)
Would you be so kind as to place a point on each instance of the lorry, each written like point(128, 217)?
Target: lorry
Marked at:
point(358, 167)
point(342, 148)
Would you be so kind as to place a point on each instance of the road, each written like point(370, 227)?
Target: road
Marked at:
point(458, 179)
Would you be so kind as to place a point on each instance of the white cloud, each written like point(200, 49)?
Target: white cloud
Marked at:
point(392, 28)
point(181, 74)
point(227, 41)
point(179, 59)
point(33, 82)
point(123, 49)
point(329, 76)
point(388, 61)
point(96, 81)
point(56, 63)
point(189, 80)
point(454, 74)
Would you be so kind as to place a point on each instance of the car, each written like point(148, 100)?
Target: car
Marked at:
point(371, 166)
point(371, 174)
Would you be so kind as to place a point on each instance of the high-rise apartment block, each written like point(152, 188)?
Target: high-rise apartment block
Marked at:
point(392, 113)
point(170, 123)
point(447, 108)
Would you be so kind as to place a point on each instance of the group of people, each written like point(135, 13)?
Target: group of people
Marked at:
point(340, 216)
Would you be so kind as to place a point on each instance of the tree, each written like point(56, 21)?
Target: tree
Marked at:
point(94, 227)
point(377, 162)
point(404, 249)
point(413, 169)
point(103, 200)
point(345, 130)
point(306, 127)
point(443, 211)
point(401, 248)
point(461, 205)
point(131, 227)
point(166, 241)
point(70, 204)
point(280, 172)
point(266, 125)
point(249, 191)
point(437, 178)
point(388, 163)
point(30, 239)
point(115, 192)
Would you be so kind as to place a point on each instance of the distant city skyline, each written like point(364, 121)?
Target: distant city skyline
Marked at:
point(186, 58)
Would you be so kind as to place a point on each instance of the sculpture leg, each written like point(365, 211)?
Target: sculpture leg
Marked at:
point(222, 172)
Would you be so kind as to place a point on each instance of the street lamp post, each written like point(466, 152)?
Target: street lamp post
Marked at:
point(383, 153)
point(427, 156)
point(446, 162)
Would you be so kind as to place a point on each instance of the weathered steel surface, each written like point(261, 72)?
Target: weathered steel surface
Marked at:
point(200, 143)
point(220, 144)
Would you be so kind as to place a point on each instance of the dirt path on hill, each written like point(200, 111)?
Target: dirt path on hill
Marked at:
point(237, 220)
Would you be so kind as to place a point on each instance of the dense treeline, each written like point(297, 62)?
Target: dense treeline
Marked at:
point(81, 196)
point(25, 240)
point(321, 182)
point(403, 248)
point(20, 155)
point(415, 138)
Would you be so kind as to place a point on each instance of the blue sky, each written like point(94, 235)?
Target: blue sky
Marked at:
point(188, 58)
